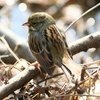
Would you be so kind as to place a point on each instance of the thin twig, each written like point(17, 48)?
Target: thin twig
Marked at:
point(88, 64)
point(5, 56)
point(82, 16)
point(5, 42)
point(2, 62)
point(50, 78)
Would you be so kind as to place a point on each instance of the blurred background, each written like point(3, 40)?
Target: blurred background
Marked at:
point(13, 13)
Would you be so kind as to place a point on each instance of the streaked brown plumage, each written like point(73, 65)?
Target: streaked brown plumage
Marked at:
point(48, 44)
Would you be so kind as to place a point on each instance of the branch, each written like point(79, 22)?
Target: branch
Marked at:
point(85, 43)
point(18, 81)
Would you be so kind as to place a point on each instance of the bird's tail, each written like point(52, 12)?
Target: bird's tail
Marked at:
point(70, 68)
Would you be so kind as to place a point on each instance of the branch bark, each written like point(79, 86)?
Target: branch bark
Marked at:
point(85, 43)
point(18, 81)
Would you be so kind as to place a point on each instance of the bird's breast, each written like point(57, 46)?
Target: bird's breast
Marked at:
point(35, 41)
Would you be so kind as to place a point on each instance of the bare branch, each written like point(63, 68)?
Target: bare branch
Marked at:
point(85, 43)
point(18, 81)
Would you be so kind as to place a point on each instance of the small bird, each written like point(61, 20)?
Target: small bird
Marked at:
point(48, 45)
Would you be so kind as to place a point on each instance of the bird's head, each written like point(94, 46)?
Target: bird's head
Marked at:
point(39, 21)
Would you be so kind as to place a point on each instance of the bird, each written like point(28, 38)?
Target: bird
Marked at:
point(47, 42)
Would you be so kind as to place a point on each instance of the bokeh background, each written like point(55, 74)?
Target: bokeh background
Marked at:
point(13, 13)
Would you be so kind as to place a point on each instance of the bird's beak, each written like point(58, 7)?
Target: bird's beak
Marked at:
point(26, 24)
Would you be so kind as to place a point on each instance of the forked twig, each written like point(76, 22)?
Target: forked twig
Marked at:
point(5, 42)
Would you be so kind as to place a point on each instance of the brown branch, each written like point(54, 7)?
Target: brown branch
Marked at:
point(18, 81)
point(85, 43)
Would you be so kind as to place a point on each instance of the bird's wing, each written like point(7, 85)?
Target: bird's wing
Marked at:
point(45, 60)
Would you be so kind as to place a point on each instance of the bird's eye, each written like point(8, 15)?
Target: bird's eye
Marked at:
point(34, 24)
